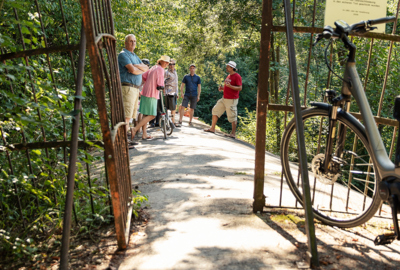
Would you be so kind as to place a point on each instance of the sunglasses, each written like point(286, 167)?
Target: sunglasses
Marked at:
point(172, 64)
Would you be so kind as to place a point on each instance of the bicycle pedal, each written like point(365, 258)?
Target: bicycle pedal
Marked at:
point(385, 239)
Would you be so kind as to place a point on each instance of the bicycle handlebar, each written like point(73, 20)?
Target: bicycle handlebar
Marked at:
point(342, 31)
point(343, 28)
point(382, 20)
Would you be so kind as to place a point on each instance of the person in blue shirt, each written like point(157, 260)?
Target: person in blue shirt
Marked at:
point(192, 84)
point(131, 69)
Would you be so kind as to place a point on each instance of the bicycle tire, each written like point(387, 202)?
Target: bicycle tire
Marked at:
point(348, 205)
point(164, 127)
point(170, 129)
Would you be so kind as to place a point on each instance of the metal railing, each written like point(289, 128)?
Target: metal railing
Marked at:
point(99, 29)
point(18, 145)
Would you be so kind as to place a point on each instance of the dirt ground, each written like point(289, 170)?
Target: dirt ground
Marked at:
point(337, 248)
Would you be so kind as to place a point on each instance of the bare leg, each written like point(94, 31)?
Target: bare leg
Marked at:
point(127, 120)
point(214, 123)
point(142, 123)
point(233, 132)
point(173, 116)
point(140, 116)
point(181, 114)
point(136, 123)
point(191, 115)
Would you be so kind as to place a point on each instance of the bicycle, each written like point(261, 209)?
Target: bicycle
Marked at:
point(165, 123)
point(350, 171)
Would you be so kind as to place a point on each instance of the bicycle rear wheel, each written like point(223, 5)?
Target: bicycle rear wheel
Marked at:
point(163, 124)
point(170, 129)
point(345, 197)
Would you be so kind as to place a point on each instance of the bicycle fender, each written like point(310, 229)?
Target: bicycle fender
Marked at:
point(321, 105)
point(347, 116)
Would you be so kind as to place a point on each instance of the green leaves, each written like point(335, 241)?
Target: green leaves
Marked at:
point(37, 152)
point(34, 104)
point(11, 77)
point(71, 113)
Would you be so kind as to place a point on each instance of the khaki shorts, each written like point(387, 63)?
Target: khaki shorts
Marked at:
point(130, 96)
point(228, 105)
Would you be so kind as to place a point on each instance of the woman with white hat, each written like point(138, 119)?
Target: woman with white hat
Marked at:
point(148, 103)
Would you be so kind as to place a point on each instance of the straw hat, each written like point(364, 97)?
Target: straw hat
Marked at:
point(164, 58)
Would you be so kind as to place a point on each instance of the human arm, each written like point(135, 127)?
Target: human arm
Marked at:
point(136, 69)
point(160, 77)
point(167, 81)
point(198, 91)
point(236, 88)
point(234, 82)
point(182, 86)
point(142, 67)
point(125, 61)
point(144, 77)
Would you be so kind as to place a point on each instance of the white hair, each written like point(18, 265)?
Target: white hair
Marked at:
point(130, 35)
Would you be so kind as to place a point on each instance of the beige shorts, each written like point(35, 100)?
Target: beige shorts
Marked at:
point(130, 96)
point(228, 105)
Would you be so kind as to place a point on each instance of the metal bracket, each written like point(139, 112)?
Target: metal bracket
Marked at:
point(114, 131)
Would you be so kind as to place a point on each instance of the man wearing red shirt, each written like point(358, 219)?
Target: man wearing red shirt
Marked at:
point(231, 89)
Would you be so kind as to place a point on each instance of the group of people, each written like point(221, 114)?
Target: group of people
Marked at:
point(141, 82)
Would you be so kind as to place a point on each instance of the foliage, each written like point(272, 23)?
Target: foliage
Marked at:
point(38, 101)
point(138, 200)
point(210, 33)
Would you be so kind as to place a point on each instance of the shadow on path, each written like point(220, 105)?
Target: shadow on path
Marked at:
point(200, 188)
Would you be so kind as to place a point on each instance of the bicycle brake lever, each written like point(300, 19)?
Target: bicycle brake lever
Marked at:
point(363, 29)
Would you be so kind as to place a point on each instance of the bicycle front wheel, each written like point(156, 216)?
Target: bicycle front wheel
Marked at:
point(347, 195)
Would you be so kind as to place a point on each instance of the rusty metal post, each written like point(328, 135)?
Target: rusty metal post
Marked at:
point(73, 156)
point(262, 102)
point(114, 135)
point(310, 229)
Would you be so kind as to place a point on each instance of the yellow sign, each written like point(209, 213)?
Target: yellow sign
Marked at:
point(353, 11)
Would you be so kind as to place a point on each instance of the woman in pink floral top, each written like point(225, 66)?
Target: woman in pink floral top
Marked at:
point(148, 103)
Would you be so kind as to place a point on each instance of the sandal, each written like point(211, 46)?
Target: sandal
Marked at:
point(147, 138)
point(208, 130)
point(130, 142)
point(230, 136)
point(133, 133)
point(179, 124)
point(190, 124)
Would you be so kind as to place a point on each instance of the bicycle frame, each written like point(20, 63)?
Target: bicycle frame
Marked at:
point(164, 113)
point(387, 174)
point(386, 169)
point(385, 166)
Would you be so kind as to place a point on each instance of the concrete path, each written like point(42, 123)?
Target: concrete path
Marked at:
point(200, 188)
